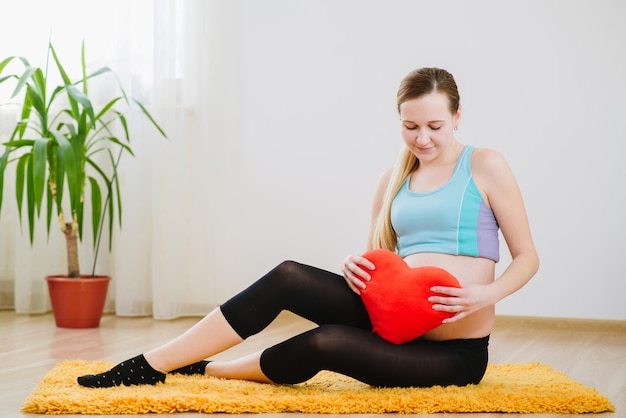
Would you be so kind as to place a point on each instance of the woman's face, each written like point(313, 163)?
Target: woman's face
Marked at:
point(427, 125)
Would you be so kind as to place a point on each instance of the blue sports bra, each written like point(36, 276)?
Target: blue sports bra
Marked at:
point(453, 219)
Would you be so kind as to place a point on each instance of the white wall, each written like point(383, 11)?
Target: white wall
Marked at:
point(310, 123)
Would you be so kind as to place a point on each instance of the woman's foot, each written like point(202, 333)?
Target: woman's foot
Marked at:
point(135, 371)
point(192, 369)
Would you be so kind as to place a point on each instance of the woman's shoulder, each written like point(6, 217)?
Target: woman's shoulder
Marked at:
point(487, 161)
point(491, 172)
point(385, 176)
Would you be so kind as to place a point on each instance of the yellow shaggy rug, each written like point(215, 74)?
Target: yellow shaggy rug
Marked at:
point(521, 388)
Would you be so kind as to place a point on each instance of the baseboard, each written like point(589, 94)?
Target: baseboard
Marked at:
point(579, 324)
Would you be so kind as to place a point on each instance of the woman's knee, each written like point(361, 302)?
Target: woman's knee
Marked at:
point(301, 357)
point(327, 339)
point(315, 343)
point(288, 275)
point(288, 268)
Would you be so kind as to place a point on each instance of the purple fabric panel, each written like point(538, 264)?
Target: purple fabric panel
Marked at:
point(488, 243)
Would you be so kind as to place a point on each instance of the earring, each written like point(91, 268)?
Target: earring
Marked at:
point(456, 128)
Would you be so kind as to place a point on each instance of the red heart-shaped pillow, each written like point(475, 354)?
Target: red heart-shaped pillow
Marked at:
point(396, 297)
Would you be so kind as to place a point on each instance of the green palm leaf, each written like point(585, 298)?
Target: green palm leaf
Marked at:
point(57, 149)
point(96, 208)
point(40, 156)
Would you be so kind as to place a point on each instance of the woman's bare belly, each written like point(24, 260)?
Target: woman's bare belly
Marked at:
point(467, 270)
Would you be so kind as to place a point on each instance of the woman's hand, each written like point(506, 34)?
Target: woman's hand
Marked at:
point(462, 301)
point(354, 274)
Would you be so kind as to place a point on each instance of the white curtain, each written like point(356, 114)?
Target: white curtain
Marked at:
point(161, 261)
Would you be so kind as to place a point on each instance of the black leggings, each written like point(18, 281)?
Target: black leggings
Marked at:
point(344, 342)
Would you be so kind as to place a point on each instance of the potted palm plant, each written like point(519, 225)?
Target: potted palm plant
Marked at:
point(65, 148)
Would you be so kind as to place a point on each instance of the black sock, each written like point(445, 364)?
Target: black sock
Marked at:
point(191, 369)
point(135, 371)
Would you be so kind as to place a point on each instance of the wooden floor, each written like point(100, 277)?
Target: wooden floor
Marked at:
point(590, 352)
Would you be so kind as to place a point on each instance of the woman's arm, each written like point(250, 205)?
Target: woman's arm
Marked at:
point(377, 204)
point(496, 181)
point(505, 198)
point(352, 272)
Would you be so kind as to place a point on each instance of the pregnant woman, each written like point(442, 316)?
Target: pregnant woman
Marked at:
point(442, 205)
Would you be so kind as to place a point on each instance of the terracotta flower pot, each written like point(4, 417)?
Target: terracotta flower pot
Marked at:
point(78, 303)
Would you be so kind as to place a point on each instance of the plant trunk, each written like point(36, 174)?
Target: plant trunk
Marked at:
point(70, 230)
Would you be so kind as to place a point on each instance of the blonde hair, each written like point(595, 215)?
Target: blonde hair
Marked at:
point(416, 84)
